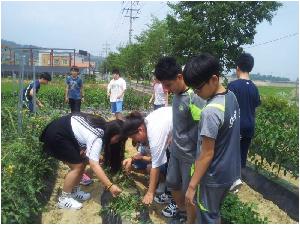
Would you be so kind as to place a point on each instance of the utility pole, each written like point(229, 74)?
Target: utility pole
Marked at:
point(106, 51)
point(131, 17)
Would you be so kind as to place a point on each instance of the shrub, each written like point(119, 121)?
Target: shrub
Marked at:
point(276, 136)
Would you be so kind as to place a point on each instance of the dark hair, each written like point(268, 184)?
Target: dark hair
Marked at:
point(245, 62)
point(74, 68)
point(167, 69)
point(132, 122)
point(200, 69)
point(45, 76)
point(113, 153)
point(116, 71)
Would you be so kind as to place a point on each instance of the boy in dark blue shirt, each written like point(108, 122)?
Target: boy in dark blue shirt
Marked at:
point(28, 91)
point(74, 94)
point(248, 98)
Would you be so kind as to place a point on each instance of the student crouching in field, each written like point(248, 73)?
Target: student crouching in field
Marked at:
point(218, 163)
point(34, 86)
point(154, 131)
point(77, 140)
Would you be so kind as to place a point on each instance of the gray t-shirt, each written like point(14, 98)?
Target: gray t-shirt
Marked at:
point(220, 120)
point(185, 129)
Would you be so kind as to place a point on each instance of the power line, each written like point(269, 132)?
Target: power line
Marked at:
point(277, 39)
point(106, 49)
point(130, 16)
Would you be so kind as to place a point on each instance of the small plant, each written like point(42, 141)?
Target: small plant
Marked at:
point(236, 212)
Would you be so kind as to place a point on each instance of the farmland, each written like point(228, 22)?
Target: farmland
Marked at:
point(27, 174)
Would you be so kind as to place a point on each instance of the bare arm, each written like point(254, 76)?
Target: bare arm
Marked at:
point(154, 176)
point(201, 165)
point(114, 189)
point(66, 93)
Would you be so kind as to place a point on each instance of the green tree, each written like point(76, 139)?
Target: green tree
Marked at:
point(218, 27)
point(155, 44)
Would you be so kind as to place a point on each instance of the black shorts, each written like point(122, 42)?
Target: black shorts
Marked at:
point(75, 105)
point(59, 141)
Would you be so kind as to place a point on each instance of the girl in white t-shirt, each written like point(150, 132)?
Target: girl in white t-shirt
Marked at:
point(77, 138)
point(155, 131)
point(159, 95)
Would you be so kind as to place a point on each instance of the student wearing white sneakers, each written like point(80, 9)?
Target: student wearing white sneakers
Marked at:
point(76, 140)
point(155, 131)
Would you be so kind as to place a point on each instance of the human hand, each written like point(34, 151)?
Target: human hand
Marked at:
point(148, 198)
point(115, 190)
point(82, 99)
point(189, 196)
point(66, 100)
point(127, 164)
point(138, 157)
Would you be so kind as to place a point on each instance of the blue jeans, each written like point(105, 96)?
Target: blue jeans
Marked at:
point(142, 165)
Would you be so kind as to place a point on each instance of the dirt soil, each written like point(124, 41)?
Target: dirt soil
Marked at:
point(89, 214)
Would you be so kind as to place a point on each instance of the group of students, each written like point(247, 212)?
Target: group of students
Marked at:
point(195, 144)
point(74, 92)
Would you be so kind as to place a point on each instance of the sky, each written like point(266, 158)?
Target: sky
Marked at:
point(93, 24)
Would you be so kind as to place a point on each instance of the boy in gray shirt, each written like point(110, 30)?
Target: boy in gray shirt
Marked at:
point(184, 138)
point(218, 150)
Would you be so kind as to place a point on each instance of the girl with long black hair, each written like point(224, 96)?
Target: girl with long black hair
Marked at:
point(78, 139)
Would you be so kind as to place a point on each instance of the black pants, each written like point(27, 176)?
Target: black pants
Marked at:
point(245, 144)
point(74, 105)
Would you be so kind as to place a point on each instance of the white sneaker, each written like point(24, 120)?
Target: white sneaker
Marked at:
point(68, 203)
point(80, 195)
point(161, 188)
point(236, 185)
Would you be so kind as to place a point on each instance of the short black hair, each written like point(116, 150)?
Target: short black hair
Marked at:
point(200, 69)
point(116, 71)
point(167, 69)
point(245, 62)
point(75, 68)
point(45, 76)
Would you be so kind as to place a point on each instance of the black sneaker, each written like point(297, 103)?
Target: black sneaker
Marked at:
point(170, 210)
point(179, 218)
point(162, 198)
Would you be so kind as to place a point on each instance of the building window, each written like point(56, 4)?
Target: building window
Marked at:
point(56, 61)
point(65, 62)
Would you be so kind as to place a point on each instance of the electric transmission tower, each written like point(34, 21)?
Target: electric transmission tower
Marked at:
point(134, 7)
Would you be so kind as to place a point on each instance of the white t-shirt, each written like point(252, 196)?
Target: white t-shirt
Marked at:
point(159, 128)
point(116, 87)
point(159, 94)
point(87, 137)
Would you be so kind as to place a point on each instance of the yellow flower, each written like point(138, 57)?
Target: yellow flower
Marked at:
point(10, 169)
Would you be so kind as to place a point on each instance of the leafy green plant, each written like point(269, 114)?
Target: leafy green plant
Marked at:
point(276, 138)
point(25, 169)
point(236, 212)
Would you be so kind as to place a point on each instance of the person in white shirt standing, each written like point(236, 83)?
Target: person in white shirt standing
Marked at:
point(115, 91)
point(160, 95)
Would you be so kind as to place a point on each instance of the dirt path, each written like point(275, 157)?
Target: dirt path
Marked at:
point(265, 207)
point(88, 214)
point(90, 211)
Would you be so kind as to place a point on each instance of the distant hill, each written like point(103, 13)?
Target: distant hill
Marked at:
point(261, 77)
